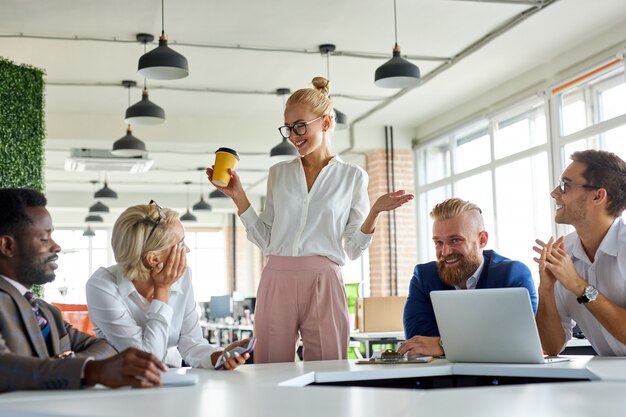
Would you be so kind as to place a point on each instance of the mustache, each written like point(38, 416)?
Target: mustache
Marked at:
point(453, 256)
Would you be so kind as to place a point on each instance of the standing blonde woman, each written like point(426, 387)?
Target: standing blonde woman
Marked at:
point(146, 300)
point(317, 211)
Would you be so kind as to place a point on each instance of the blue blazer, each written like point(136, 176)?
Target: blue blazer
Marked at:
point(498, 272)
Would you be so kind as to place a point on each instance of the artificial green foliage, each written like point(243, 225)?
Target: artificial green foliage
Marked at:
point(22, 129)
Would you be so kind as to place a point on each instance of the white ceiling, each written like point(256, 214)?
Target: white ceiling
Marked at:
point(247, 49)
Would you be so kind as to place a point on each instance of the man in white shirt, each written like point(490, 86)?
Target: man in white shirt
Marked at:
point(583, 275)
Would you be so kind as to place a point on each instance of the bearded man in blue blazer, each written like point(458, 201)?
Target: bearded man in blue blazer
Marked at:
point(38, 350)
point(459, 236)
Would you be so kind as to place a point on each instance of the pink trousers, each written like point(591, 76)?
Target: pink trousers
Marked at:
point(301, 295)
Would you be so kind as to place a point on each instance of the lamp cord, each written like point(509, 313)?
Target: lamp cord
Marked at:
point(328, 65)
point(163, 17)
point(395, 22)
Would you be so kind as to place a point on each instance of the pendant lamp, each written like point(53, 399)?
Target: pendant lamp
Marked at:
point(104, 192)
point(341, 120)
point(397, 72)
point(99, 208)
point(188, 217)
point(216, 194)
point(201, 205)
point(144, 112)
point(163, 63)
point(129, 145)
point(284, 151)
point(89, 232)
point(94, 218)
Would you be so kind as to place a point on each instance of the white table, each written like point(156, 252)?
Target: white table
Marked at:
point(281, 390)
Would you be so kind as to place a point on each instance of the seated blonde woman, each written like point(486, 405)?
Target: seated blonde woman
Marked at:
point(146, 300)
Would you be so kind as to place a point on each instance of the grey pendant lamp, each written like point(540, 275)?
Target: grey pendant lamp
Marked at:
point(89, 232)
point(216, 194)
point(188, 217)
point(94, 218)
point(341, 120)
point(144, 112)
point(163, 63)
point(99, 207)
point(284, 151)
point(397, 72)
point(104, 192)
point(201, 205)
point(129, 145)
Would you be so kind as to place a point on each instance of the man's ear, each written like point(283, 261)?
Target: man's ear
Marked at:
point(8, 246)
point(483, 237)
point(601, 196)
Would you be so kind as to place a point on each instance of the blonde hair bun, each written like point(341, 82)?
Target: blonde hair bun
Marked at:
point(322, 85)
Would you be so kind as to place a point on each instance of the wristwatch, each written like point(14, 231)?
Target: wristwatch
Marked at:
point(590, 294)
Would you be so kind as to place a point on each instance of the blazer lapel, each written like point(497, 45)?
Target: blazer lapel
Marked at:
point(28, 318)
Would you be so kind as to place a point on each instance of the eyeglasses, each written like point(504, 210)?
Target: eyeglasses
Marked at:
point(564, 184)
point(156, 222)
point(298, 128)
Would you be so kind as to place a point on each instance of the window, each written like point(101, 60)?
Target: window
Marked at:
point(207, 259)
point(80, 257)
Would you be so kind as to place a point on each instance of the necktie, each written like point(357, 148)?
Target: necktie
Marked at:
point(35, 306)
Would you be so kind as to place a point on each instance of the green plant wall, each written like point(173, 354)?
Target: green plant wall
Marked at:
point(22, 128)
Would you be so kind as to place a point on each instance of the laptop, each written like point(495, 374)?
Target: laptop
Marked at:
point(488, 325)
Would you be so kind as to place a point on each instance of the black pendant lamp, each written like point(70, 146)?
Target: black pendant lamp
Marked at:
point(201, 205)
point(284, 151)
point(99, 208)
point(216, 194)
point(129, 145)
point(188, 217)
point(397, 72)
point(144, 112)
point(104, 192)
point(89, 232)
point(341, 120)
point(163, 63)
point(94, 218)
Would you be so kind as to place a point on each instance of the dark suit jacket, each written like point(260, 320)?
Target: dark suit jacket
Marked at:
point(498, 272)
point(25, 362)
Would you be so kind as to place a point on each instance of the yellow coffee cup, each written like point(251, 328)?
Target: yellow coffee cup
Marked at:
point(225, 158)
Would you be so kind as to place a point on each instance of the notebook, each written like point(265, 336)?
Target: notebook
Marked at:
point(488, 325)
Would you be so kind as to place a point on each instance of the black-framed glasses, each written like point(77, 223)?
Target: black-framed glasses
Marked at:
point(298, 128)
point(161, 216)
point(564, 184)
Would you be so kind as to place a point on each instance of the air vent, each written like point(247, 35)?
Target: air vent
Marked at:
point(103, 160)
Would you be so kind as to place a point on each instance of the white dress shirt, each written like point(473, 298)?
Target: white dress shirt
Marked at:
point(298, 222)
point(608, 274)
point(126, 319)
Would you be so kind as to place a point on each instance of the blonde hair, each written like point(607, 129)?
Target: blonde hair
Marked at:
point(316, 98)
point(129, 236)
point(452, 207)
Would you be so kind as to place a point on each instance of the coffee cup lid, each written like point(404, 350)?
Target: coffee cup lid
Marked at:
point(230, 151)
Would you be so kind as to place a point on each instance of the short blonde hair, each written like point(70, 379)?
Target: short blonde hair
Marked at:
point(452, 207)
point(317, 98)
point(130, 233)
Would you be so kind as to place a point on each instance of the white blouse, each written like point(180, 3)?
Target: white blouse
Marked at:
point(325, 221)
point(126, 319)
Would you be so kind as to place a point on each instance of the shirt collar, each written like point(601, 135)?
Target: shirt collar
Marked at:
point(609, 244)
point(22, 289)
point(472, 281)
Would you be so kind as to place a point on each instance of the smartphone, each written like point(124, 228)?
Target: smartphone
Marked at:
point(241, 350)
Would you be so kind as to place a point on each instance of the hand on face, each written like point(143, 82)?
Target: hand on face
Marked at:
point(391, 201)
point(164, 275)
